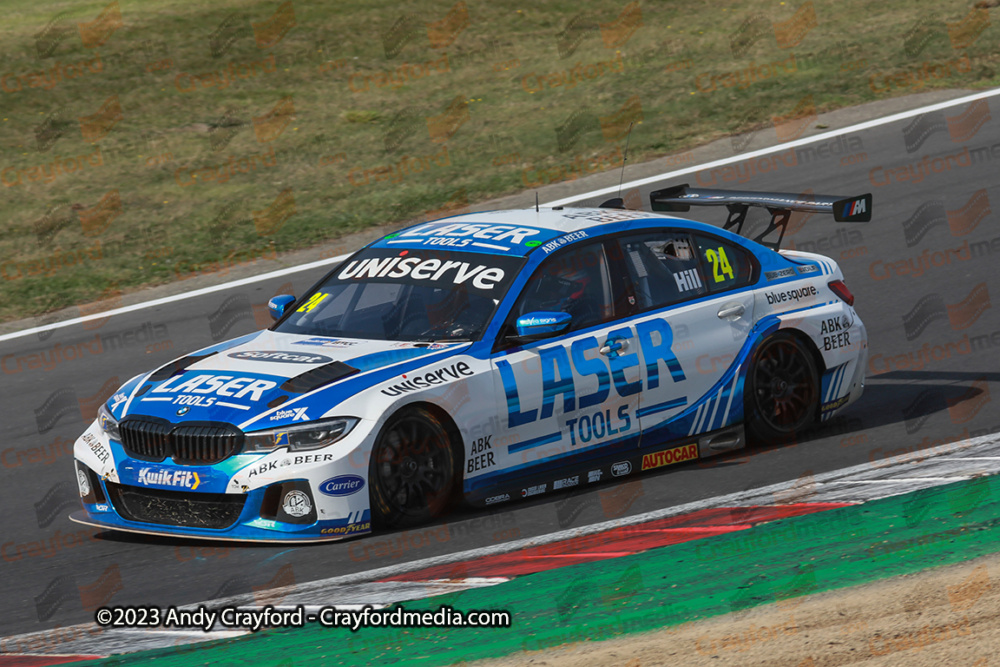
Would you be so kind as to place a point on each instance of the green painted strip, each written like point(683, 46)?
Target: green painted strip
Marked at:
point(661, 587)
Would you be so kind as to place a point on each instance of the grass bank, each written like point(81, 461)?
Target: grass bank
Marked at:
point(145, 142)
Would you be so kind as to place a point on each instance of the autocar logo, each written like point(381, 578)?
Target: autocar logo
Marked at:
point(183, 411)
point(343, 485)
point(621, 469)
point(296, 504)
point(281, 357)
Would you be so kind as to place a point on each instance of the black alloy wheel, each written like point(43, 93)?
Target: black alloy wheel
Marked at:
point(414, 470)
point(782, 390)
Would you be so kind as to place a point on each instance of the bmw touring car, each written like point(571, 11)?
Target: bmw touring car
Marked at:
point(485, 358)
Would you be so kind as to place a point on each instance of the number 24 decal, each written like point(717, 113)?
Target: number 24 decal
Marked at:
point(313, 301)
point(720, 264)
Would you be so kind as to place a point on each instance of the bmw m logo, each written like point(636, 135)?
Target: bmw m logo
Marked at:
point(183, 411)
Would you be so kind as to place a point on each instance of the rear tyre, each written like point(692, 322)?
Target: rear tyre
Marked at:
point(781, 396)
point(413, 471)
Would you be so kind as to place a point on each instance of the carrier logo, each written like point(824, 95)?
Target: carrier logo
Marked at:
point(344, 485)
point(182, 479)
point(669, 456)
point(622, 469)
point(281, 357)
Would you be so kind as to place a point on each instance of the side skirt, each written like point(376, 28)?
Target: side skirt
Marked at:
point(609, 467)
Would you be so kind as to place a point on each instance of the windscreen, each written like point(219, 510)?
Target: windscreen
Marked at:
point(424, 295)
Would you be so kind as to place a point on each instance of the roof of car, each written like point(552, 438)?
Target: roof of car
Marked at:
point(562, 218)
point(514, 232)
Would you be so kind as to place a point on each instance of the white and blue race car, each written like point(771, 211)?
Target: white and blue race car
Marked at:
point(485, 357)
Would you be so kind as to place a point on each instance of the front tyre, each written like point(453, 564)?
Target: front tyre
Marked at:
point(782, 390)
point(413, 470)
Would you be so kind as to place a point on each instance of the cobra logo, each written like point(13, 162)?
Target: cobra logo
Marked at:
point(343, 485)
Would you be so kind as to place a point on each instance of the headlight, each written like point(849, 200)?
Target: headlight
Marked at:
point(108, 423)
point(299, 438)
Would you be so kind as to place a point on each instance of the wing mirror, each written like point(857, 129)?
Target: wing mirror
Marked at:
point(542, 324)
point(279, 305)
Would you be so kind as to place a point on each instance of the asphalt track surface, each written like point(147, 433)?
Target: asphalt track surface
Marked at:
point(55, 569)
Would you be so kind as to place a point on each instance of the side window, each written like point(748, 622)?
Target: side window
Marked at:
point(726, 265)
point(663, 268)
point(574, 281)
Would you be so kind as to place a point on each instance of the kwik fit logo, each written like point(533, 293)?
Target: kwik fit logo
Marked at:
point(181, 479)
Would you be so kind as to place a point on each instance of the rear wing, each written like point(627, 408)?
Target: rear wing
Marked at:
point(780, 205)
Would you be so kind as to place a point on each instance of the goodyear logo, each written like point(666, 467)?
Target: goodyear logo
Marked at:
point(348, 529)
point(669, 456)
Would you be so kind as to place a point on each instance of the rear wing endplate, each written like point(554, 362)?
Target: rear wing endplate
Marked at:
point(778, 204)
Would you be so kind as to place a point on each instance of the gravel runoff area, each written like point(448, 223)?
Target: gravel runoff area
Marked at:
point(941, 616)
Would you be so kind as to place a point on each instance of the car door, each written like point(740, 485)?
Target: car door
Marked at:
point(693, 313)
point(576, 393)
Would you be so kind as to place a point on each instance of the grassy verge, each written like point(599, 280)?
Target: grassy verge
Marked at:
point(144, 142)
point(659, 588)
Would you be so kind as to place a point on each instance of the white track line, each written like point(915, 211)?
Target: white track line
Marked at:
point(903, 115)
point(173, 298)
point(559, 202)
point(907, 480)
point(365, 587)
